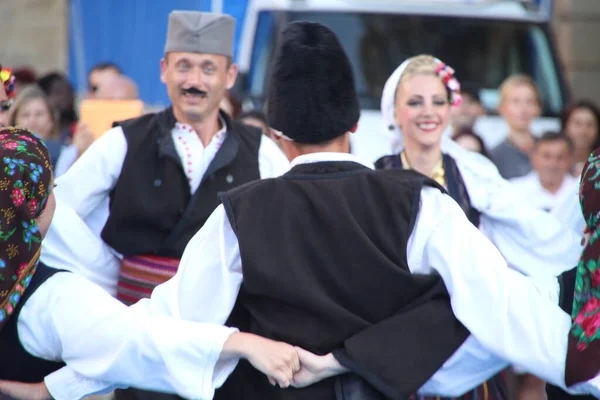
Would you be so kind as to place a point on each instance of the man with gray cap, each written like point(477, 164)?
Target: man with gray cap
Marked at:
point(162, 172)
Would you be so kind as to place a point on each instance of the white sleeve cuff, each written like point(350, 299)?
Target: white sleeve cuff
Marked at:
point(195, 354)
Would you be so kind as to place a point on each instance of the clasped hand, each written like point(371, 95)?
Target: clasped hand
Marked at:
point(283, 364)
point(286, 365)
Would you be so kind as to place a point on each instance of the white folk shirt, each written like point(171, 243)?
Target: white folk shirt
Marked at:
point(509, 318)
point(564, 204)
point(86, 186)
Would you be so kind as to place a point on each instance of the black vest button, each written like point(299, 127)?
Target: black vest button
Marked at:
point(157, 183)
point(229, 178)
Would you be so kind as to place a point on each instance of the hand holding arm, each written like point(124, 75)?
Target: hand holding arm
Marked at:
point(24, 391)
point(278, 360)
point(314, 368)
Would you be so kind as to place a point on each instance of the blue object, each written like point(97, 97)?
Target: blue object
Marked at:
point(132, 35)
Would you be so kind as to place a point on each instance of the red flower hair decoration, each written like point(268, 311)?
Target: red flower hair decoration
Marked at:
point(446, 74)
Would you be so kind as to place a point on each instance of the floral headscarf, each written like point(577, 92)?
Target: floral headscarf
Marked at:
point(583, 356)
point(25, 176)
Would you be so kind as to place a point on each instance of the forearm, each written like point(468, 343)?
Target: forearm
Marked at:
point(159, 354)
point(100, 338)
point(503, 309)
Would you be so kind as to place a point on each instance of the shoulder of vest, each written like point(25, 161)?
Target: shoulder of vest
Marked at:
point(410, 177)
point(247, 187)
point(132, 122)
point(384, 162)
point(136, 129)
point(227, 199)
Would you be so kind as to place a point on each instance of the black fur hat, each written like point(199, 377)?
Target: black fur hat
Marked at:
point(311, 98)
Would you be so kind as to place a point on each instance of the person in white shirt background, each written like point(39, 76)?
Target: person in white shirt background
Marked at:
point(550, 186)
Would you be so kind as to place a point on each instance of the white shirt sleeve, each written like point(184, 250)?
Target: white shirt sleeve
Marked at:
point(170, 342)
point(531, 240)
point(569, 212)
point(502, 309)
point(271, 160)
point(91, 178)
point(88, 255)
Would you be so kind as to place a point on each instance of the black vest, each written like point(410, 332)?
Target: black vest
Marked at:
point(456, 186)
point(17, 364)
point(151, 208)
point(323, 253)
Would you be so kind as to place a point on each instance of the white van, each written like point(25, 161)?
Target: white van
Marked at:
point(483, 40)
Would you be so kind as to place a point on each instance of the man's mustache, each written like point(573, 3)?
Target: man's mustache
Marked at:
point(194, 91)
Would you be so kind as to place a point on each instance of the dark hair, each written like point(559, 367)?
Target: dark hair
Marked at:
point(259, 115)
point(552, 136)
point(103, 66)
point(585, 104)
point(470, 90)
point(24, 75)
point(47, 81)
point(236, 105)
point(467, 132)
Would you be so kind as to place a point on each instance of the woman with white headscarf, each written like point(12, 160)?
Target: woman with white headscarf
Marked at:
point(416, 105)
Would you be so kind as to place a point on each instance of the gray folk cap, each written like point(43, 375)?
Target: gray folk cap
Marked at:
point(200, 32)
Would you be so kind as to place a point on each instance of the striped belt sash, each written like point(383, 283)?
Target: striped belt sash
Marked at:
point(141, 274)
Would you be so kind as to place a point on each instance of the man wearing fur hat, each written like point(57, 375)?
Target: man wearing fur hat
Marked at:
point(161, 172)
point(380, 273)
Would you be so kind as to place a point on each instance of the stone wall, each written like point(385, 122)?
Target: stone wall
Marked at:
point(34, 33)
point(577, 29)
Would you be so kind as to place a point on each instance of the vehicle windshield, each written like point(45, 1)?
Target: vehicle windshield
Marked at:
point(482, 52)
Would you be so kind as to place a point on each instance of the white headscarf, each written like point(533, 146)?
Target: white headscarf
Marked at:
point(388, 97)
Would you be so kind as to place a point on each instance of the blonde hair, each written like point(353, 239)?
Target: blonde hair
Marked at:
point(423, 64)
point(518, 80)
point(28, 94)
point(418, 65)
